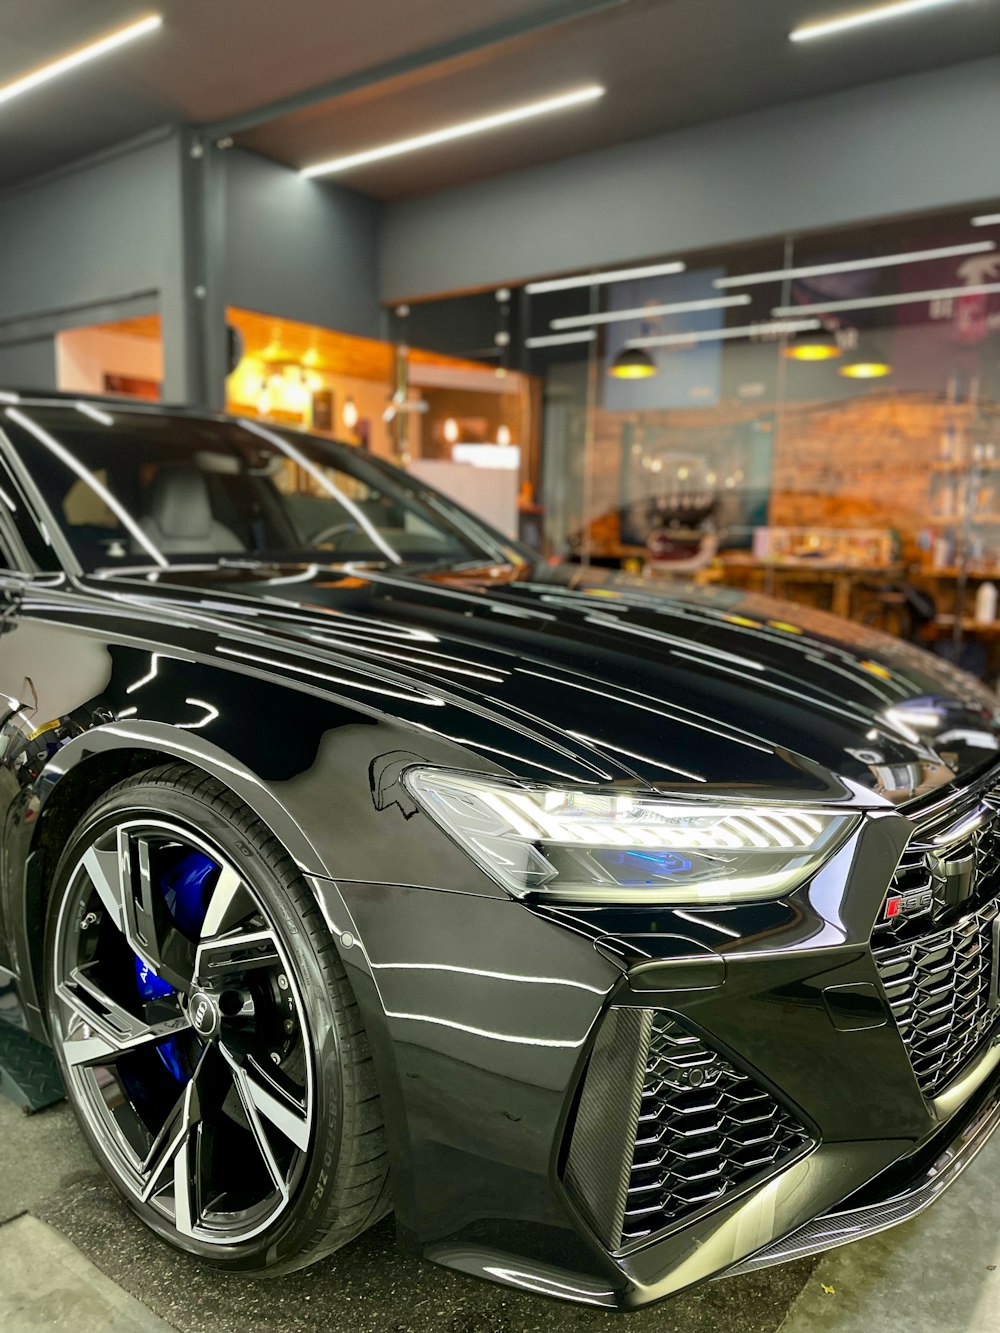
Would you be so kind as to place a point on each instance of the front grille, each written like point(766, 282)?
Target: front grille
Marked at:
point(936, 957)
point(701, 1128)
point(939, 990)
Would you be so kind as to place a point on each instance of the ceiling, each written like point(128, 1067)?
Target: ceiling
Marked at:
point(423, 64)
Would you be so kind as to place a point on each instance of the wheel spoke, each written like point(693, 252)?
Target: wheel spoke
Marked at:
point(240, 951)
point(124, 884)
point(241, 1082)
point(269, 1100)
point(107, 877)
point(229, 904)
point(169, 1166)
point(148, 928)
point(101, 1031)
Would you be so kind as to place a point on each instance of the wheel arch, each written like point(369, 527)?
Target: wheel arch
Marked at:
point(93, 763)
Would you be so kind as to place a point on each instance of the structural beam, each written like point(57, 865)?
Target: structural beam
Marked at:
point(555, 14)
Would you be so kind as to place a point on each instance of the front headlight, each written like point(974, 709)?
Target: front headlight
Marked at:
point(581, 845)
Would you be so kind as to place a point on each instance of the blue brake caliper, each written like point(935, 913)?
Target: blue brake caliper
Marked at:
point(184, 890)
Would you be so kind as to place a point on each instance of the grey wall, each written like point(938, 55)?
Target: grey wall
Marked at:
point(96, 242)
point(28, 365)
point(85, 236)
point(302, 249)
point(906, 145)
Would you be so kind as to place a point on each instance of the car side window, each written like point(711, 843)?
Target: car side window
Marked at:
point(23, 544)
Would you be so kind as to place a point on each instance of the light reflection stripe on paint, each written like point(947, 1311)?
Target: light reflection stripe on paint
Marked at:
point(491, 976)
point(512, 1038)
point(648, 708)
point(362, 685)
point(519, 758)
point(706, 921)
point(211, 713)
point(631, 754)
point(661, 636)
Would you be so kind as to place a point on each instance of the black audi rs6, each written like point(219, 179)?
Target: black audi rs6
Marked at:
point(354, 859)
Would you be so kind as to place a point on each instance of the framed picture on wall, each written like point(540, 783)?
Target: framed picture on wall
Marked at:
point(131, 386)
point(322, 410)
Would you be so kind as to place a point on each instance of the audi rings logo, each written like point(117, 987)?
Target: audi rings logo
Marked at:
point(204, 1015)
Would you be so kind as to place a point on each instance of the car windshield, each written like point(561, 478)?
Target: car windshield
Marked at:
point(136, 488)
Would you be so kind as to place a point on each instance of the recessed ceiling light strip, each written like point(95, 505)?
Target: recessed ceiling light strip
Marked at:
point(81, 56)
point(598, 279)
point(875, 302)
point(852, 265)
point(557, 339)
point(461, 131)
point(649, 312)
point(862, 17)
point(763, 330)
point(987, 220)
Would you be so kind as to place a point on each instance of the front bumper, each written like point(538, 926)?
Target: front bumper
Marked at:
point(879, 1214)
point(486, 1020)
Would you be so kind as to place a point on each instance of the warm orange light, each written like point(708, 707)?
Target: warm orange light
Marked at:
point(865, 370)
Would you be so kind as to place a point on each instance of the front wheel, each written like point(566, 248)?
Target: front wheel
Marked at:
point(208, 1037)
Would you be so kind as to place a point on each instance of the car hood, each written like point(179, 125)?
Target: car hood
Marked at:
point(556, 674)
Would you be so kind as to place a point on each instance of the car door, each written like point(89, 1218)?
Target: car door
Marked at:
point(27, 562)
point(17, 570)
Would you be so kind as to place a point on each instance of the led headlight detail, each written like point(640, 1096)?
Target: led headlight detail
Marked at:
point(581, 845)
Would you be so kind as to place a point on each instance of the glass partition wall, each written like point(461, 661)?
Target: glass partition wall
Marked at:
point(816, 417)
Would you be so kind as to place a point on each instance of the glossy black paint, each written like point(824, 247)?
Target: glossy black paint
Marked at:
point(309, 690)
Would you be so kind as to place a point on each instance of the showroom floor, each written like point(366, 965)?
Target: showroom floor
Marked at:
point(72, 1257)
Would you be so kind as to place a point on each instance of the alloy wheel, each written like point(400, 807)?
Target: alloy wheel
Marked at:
point(183, 1035)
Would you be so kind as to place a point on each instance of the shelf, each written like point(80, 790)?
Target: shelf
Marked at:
point(946, 625)
point(948, 466)
point(954, 572)
point(984, 521)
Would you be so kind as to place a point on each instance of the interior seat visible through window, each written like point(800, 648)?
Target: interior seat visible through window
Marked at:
point(180, 519)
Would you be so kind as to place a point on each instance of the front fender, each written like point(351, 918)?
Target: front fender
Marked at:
point(159, 738)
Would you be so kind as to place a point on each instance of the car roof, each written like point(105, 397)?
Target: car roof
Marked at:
point(11, 397)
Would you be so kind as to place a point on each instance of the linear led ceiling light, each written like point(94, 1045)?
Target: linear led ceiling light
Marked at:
point(858, 18)
point(763, 330)
point(649, 312)
point(557, 339)
point(852, 265)
point(874, 302)
point(461, 131)
point(63, 64)
point(597, 279)
point(987, 220)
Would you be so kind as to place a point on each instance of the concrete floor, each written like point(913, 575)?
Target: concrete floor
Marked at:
point(938, 1274)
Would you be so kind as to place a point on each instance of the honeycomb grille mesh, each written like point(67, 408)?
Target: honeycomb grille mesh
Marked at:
point(936, 957)
point(705, 1129)
point(699, 1130)
point(939, 989)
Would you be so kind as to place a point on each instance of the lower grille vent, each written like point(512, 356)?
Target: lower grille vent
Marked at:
point(699, 1129)
point(940, 991)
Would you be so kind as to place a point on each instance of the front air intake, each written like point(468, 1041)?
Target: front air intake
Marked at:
point(666, 1127)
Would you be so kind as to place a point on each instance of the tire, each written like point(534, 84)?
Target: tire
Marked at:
point(207, 1033)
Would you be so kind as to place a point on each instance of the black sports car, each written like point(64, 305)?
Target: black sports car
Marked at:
point(351, 860)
